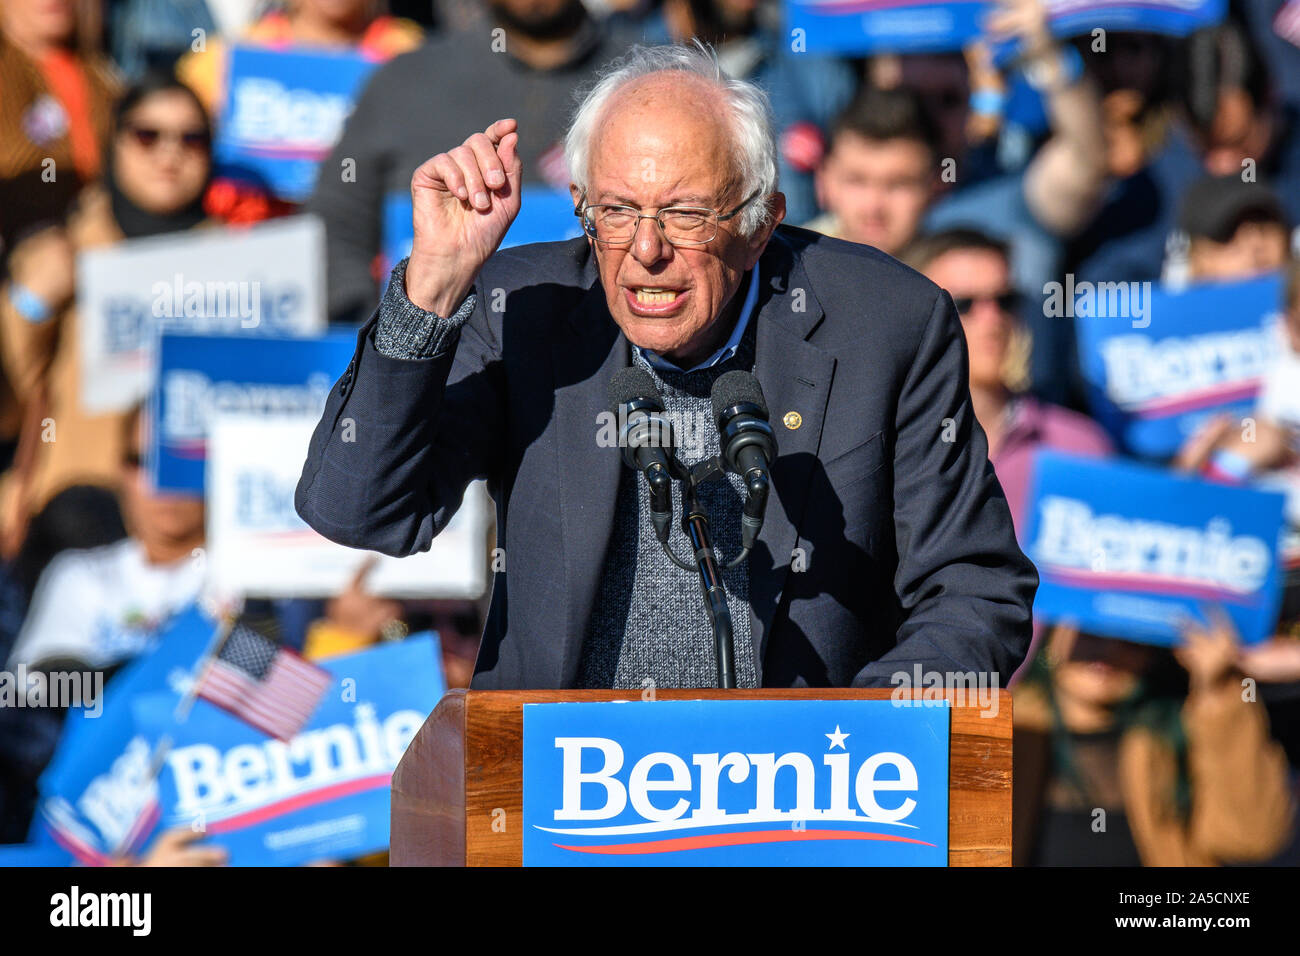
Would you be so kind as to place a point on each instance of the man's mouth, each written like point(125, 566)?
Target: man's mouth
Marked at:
point(654, 295)
point(651, 299)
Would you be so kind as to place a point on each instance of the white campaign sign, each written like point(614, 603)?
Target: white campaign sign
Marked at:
point(257, 544)
point(267, 279)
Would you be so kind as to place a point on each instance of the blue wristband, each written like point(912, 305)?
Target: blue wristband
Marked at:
point(988, 102)
point(29, 305)
point(1230, 464)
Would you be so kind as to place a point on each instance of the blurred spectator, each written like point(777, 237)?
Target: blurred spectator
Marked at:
point(975, 270)
point(56, 93)
point(101, 607)
point(1054, 195)
point(158, 168)
point(83, 516)
point(78, 517)
point(338, 24)
point(807, 91)
point(1235, 229)
point(1121, 760)
point(524, 61)
point(149, 35)
point(880, 172)
point(1228, 121)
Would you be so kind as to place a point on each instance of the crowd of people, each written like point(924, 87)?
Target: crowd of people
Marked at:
point(1146, 158)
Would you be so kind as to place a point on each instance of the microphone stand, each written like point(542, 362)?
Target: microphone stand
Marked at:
point(695, 525)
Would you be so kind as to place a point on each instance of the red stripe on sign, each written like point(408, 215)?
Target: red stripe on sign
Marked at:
point(288, 805)
point(738, 839)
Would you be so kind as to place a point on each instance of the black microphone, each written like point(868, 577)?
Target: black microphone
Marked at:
point(748, 444)
point(646, 437)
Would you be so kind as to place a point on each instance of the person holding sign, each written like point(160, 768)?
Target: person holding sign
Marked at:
point(887, 541)
point(1124, 758)
point(159, 166)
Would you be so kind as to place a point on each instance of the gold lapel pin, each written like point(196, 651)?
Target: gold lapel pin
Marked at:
point(792, 420)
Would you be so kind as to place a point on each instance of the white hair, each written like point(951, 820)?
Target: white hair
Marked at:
point(754, 146)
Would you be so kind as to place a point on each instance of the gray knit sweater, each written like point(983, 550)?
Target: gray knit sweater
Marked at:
point(648, 626)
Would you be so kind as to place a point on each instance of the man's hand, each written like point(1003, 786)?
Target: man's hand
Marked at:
point(464, 200)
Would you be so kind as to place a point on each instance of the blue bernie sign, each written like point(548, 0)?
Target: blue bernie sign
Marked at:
point(200, 375)
point(1136, 552)
point(284, 111)
point(719, 783)
point(1159, 363)
point(917, 26)
point(324, 795)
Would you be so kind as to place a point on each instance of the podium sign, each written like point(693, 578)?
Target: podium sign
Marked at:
point(721, 783)
point(765, 776)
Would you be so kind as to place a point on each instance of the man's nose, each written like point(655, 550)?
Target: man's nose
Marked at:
point(649, 245)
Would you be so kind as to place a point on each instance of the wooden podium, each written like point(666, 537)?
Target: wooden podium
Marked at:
point(466, 763)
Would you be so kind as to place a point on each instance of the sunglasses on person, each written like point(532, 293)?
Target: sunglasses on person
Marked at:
point(1008, 301)
point(148, 137)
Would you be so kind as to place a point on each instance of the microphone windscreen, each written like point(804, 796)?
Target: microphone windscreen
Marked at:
point(734, 388)
point(629, 384)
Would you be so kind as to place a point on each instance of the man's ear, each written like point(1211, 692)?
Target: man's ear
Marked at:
point(576, 193)
point(758, 242)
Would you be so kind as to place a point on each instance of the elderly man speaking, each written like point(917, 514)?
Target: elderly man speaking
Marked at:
point(886, 541)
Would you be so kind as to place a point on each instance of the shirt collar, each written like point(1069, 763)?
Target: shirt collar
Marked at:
point(661, 364)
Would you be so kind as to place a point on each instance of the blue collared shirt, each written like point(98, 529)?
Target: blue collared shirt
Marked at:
point(728, 350)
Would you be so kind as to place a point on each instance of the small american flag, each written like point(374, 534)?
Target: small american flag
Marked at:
point(263, 683)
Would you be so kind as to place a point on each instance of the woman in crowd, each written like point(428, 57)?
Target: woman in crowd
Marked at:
point(1123, 759)
point(157, 170)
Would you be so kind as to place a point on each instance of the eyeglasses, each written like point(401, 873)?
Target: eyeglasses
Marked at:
point(615, 224)
point(148, 137)
point(1008, 301)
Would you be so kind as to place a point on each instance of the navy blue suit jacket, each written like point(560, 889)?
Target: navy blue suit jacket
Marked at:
point(883, 498)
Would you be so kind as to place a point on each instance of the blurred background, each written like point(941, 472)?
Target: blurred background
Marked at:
point(201, 199)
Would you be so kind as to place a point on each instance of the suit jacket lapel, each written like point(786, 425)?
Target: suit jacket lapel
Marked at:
point(585, 355)
point(796, 380)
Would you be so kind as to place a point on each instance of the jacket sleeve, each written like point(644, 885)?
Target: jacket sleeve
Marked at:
point(965, 588)
point(401, 438)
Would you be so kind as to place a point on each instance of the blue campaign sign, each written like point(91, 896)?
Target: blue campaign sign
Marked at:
point(322, 795)
point(717, 783)
point(545, 215)
point(284, 110)
point(899, 26)
point(200, 375)
point(1134, 552)
point(1159, 363)
point(915, 26)
point(97, 796)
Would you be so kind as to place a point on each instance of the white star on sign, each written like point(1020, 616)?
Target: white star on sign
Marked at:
point(837, 739)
